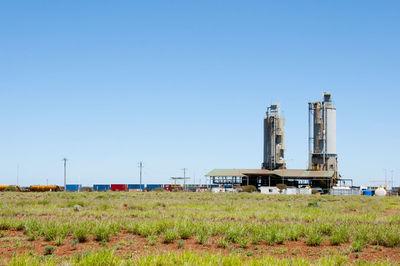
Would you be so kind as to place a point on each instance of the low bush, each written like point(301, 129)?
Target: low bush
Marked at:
point(11, 189)
point(249, 188)
point(48, 250)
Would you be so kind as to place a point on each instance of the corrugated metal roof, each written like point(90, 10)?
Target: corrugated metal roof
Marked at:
point(227, 172)
point(291, 173)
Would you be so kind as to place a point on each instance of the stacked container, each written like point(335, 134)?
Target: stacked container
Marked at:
point(73, 187)
point(101, 187)
point(119, 187)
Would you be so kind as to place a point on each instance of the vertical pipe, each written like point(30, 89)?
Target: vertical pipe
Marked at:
point(309, 136)
point(324, 133)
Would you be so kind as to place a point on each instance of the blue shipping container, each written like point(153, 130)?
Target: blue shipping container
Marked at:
point(367, 193)
point(135, 186)
point(101, 187)
point(73, 187)
point(150, 187)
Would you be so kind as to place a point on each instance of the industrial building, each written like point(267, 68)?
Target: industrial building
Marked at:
point(323, 160)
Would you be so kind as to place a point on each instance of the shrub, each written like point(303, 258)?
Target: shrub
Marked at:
point(249, 188)
point(48, 250)
point(11, 189)
point(281, 187)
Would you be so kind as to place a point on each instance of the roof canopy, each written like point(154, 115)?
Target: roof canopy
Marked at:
point(281, 173)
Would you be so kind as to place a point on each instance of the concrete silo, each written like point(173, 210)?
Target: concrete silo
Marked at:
point(274, 139)
point(322, 135)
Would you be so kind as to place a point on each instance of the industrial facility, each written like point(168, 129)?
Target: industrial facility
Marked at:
point(322, 171)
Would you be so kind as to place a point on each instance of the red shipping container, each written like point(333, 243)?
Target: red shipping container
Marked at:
point(119, 187)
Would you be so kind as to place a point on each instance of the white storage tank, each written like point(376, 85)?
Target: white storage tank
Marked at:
point(380, 192)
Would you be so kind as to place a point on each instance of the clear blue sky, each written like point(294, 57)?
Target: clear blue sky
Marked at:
point(186, 84)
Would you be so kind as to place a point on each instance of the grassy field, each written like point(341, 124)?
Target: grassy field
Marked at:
point(197, 229)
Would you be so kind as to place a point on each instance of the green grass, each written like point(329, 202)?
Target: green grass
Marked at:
point(102, 232)
point(82, 232)
point(170, 236)
point(231, 220)
point(109, 257)
point(314, 237)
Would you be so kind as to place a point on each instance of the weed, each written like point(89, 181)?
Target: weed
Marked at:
point(48, 250)
point(181, 243)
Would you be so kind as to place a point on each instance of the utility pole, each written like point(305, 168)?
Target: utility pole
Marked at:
point(141, 167)
point(184, 178)
point(47, 181)
point(65, 173)
point(385, 177)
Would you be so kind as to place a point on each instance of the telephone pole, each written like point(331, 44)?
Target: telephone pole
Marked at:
point(141, 167)
point(184, 178)
point(65, 173)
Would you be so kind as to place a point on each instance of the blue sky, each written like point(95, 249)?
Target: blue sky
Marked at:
point(186, 83)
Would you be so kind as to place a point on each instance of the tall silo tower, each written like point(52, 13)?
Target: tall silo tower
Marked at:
point(322, 135)
point(274, 139)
